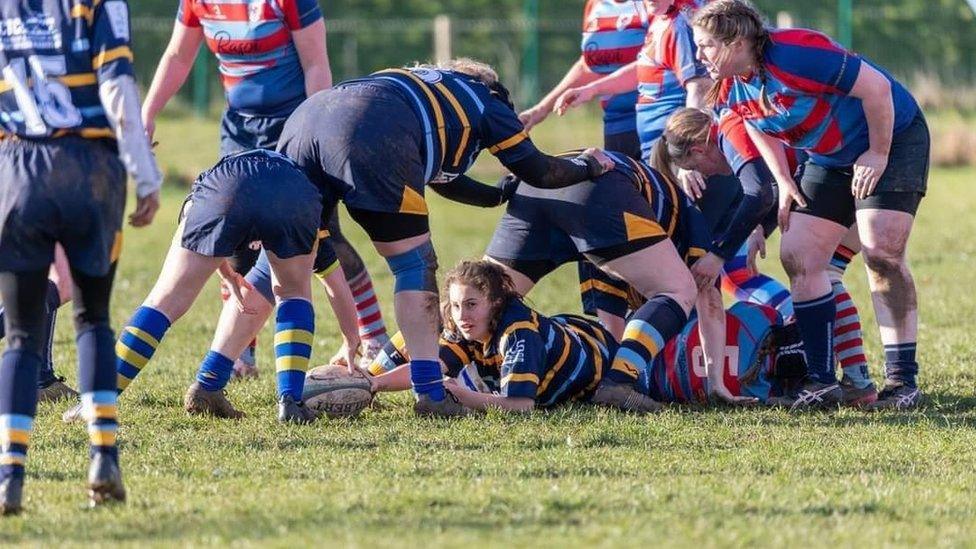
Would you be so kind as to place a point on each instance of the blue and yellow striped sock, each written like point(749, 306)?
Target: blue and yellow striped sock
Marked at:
point(15, 430)
point(294, 329)
point(650, 327)
point(215, 371)
point(101, 410)
point(138, 342)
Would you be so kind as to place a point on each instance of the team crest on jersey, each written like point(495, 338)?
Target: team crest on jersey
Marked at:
point(33, 31)
point(430, 76)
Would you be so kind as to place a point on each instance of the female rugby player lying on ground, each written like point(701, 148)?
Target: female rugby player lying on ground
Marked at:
point(501, 353)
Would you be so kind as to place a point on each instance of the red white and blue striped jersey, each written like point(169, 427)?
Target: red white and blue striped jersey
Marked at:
point(664, 66)
point(613, 34)
point(53, 54)
point(809, 80)
point(258, 62)
point(737, 146)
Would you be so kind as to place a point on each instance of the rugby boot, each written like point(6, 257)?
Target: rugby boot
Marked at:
point(104, 480)
point(11, 495)
point(56, 390)
point(199, 401)
point(855, 397)
point(73, 414)
point(812, 395)
point(896, 395)
point(624, 397)
point(447, 407)
point(292, 411)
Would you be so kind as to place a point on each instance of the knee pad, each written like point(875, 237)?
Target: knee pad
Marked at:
point(415, 270)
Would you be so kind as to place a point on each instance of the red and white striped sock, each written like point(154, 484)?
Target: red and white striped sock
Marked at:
point(368, 313)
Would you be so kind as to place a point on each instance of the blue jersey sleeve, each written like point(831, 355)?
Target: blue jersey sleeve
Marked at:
point(811, 62)
point(523, 361)
point(504, 134)
point(109, 40)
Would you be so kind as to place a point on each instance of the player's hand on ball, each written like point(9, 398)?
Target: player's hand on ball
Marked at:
point(146, 208)
point(348, 357)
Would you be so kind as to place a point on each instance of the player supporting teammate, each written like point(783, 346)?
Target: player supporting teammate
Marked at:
point(613, 33)
point(503, 354)
point(70, 111)
point(869, 154)
point(377, 142)
point(271, 56)
point(694, 141)
point(621, 222)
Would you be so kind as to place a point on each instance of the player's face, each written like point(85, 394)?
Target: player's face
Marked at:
point(658, 7)
point(470, 311)
point(722, 60)
point(704, 159)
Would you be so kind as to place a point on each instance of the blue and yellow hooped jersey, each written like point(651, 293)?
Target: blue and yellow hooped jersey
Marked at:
point(53, 54)
point(460, 116)
point(549, 359)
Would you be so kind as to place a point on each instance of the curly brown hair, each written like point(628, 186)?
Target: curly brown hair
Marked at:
point(489, 278)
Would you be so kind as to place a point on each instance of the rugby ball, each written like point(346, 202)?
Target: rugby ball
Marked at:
point(333, 391)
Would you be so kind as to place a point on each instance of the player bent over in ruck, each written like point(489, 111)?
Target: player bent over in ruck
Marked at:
point(255, 195)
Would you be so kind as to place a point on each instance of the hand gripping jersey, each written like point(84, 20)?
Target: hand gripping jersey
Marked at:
point(665, 65)
point(258, 62)
point(613, 33)
point(809, 78)
point(678, 373)
point(53, 54)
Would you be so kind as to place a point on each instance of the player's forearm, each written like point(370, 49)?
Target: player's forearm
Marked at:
point(120, 99)
point(874, 91)
point(483, 401)
point(466, 190)
point(774, 154)
point(711, 328)
point(171, 73)
point(313, 54)
point(397, 379)
point(343, 305)
point(549, 172)
point(318, 78)
point(757, 201)
point(622, 80)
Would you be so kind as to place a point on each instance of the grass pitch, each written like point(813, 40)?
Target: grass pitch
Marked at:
point(573, 477)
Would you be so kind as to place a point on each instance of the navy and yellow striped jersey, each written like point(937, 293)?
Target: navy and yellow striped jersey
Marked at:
point(673, 210)
point(53, 54)
point(461, 117)
point(552, 360)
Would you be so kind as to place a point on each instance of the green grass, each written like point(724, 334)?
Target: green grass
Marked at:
point(576, 476)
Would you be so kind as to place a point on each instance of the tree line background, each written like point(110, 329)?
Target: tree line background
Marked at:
point(918, 40)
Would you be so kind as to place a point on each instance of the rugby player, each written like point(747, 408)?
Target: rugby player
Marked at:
point(695, 141)
point(70, 112)
point(377, 142)
point(621, 222)
point(868, 147)
point(503, 354)
point(613, 33)
point(247, 196)
point(271, 55)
